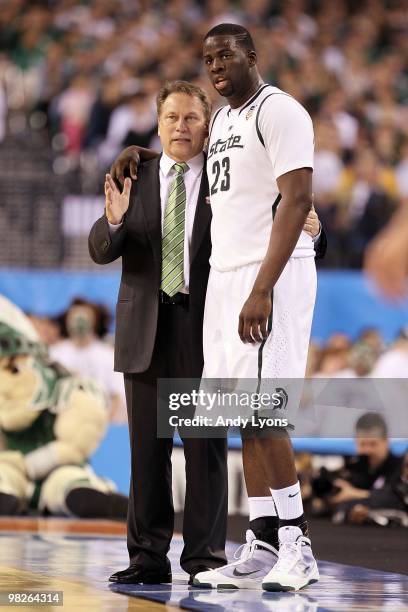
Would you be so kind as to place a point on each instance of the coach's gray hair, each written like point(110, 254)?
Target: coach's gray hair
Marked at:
point(185, 88)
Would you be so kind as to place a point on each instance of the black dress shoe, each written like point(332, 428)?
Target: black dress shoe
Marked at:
point(196, 570)
point(137, 574)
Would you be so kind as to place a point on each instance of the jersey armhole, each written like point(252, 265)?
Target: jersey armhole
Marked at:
point(213, 120)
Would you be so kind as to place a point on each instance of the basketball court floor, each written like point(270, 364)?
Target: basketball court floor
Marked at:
point(76, 557)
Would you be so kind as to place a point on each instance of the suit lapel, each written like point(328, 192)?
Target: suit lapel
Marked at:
point(202, 216)
point(149, 197)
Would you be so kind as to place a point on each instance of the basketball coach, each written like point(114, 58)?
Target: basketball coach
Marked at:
point(160, 227)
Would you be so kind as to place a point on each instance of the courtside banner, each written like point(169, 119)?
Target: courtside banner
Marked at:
point(319, 407)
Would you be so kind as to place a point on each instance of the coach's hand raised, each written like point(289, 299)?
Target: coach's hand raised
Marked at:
point(253, 319)
point(116, 202)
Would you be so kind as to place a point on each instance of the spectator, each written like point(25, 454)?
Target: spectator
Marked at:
point(73, 107)
point(100, 113)
point(394, 362)
point(48, 329)
point(368, 194)
point(134, 121)
point(361, 360)
point(372, 337)
point(334, 357)
point(84, 353)
point(328, 163)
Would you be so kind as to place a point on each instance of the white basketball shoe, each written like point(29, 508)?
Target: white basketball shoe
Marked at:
point(296, 566)
point(255, 559)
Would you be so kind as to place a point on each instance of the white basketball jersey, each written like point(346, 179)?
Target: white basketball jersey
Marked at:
point(249, 148)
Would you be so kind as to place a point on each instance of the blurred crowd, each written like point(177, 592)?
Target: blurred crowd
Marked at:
point(88, 72)
point(365, 356)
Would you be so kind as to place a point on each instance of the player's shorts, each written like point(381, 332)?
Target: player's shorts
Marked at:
point(284, 354)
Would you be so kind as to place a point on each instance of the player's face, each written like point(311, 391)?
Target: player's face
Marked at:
point(182, 126)
point(228, 65)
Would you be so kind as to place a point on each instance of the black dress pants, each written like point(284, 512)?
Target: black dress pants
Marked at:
point(151, 513)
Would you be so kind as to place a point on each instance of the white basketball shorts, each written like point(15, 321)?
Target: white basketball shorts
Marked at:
point(284, 353)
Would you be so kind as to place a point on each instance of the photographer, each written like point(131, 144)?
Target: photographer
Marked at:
point(390, 503)
point(372, 469)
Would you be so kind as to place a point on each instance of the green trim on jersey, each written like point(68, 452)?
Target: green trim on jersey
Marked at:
point(217, 112)
point(254, 97)
point(260, 350)
point(275, 205)
point(270, 318)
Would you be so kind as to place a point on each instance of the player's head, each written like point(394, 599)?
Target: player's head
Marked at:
point(230, 58)
point(184, 112)
point(372, 437)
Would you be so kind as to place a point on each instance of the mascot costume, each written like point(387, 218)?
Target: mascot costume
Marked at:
point(50, 424)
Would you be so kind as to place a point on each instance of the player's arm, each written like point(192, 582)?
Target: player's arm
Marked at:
point(295, 188)
point(386, 258)
point(286, 132)
point(127, 162)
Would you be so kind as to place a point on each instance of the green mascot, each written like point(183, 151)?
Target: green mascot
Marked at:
point(50, 424)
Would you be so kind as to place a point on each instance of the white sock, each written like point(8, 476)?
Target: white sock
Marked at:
point(288, 502)
point(261, 506)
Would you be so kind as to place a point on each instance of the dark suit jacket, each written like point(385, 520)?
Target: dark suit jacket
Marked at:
point(138, 242)
point(320, 246)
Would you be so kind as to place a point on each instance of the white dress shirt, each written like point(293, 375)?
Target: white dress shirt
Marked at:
point(192, 181)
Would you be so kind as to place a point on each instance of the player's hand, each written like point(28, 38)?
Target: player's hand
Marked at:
point(126, 163)
point(116, 202)
point(312, 223)
point(253, 319)
point(386, 260)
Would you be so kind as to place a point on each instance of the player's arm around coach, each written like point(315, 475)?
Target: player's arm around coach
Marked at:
point(130, 158)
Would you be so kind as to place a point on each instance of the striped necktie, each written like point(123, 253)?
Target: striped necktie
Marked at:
point(172, 279)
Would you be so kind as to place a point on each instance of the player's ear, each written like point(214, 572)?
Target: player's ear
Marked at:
point(252, 59)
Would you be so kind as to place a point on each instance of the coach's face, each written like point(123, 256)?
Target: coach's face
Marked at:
point(182, 126)
point(228, 65)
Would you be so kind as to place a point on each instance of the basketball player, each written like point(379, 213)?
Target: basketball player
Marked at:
point(263, 281)
point(261, 290)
